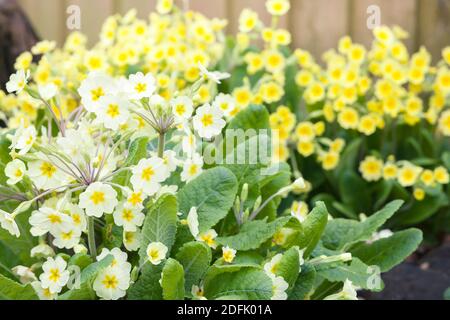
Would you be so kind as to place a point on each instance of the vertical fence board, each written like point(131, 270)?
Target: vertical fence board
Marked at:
point(401, 13)
point(319, 24)
point(48, 17)
point(434, 25)
point(143, 7)
point(93, 14)
point(212, 9)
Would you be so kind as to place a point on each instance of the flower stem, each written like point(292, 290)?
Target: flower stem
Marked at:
point(161, 144)
point(91, 238)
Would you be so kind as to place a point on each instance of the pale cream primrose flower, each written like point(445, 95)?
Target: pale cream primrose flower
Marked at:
point(55, 275)
point(49, 220)
point(128, 217)
point(111, 283)
point(156, 252)
point(208, 121)
point(15, 171)
point(18, 81)
point(148, 175)
point(192, 168)
point(98, 199)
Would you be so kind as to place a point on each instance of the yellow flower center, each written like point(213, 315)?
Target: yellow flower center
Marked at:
point(140, 87)
point(110, 282)
point(127, 215)
point(207, 120)
point(98, 197)
point(54, 275)
point(97, 93)
point(47, 169)
point(113, 111)
point(147, 174)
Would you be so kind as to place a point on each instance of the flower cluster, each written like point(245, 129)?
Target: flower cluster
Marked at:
point(104, 169)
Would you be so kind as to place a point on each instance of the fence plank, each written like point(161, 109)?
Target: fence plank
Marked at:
point(48, 17)
point(319, 24)
point(93, 14)
point(434, 26)
point(212, 9)
point(144, 7)
point(401, 13)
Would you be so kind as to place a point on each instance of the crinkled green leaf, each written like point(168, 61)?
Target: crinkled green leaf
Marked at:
point(172, 280)
point(312, 228)
point(254, 117)
point(196, 259)
point(160, 224)
point(304, 284)
point(356, 271)
point(289, 266)
point(249, 283)
point(212, 193)
point(147, 287)
point(11, 290)
point(253, 234)
point(389, 252)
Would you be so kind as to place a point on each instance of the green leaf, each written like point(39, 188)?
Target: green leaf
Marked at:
point(87, 278)
point(172, 280)
point(254, 117)
point(160, 225)
point(289, 266)
point(253, 234)
point(147, 286)
point(389, 252)
point(196, 259)
point(137, 151)
point(357, 272)
point(212, 193)
point(304, 285)
point(354, 192)
point(342, 233)
point(11, 290)
point(422, 210)
point(248, 283)
point(312, 228)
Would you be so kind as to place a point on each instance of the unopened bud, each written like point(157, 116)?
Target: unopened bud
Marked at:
point(244, 192)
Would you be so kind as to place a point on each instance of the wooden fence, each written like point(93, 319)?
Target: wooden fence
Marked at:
point(316, 25)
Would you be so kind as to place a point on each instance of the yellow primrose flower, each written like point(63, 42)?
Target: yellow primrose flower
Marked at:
point(408, 175)
point(390, 171)
point(330, 160)
point(371, 169)
point(441, 175)
point(348, 118)
point(305, 148)
point(278, 7)
point(444, 123)
point(419, 194)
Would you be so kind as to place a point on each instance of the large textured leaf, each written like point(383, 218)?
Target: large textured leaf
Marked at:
point(342, 233)
point(137, 151)
point(212, 193)
point(254, 117)
point(11, 290)
point(304, 284)
point(196, 259)
point(289, 266)
point(172, 280)
point(147, 286)
point(357, 272)
point(389, 252)
point(248, 283)
point(312, 228)
point(87, 278)
point(253, 234)
point(160, 225)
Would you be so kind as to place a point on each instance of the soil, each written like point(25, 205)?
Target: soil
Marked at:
point(425, 278)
